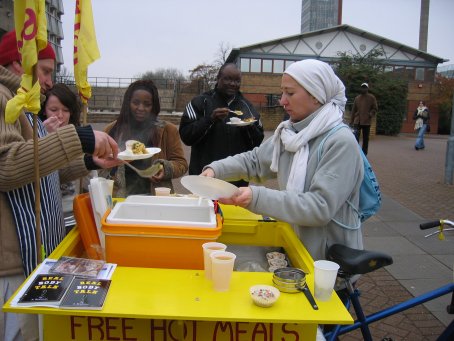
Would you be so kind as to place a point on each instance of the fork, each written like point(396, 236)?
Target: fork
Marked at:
point(146, 173)
point(236, 112)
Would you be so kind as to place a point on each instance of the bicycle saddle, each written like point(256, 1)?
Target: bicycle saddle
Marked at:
point(353, 261)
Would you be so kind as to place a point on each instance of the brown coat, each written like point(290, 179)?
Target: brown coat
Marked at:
point(364, 108)
point(171, 156)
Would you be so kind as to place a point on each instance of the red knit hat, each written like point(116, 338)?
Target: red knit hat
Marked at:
point(8, 49)
point(47, 53)
point(9, 52)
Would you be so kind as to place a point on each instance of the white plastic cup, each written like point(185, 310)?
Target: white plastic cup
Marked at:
point(235, 120)
point(221, 269)
point(325, 273)
point(207, 249)
point(162, 191)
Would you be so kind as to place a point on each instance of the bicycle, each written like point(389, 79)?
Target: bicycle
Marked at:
point(358, 262)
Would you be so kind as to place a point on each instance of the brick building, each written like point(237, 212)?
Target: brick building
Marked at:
point(262, 64)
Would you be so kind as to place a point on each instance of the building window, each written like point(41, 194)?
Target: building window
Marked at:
point(288, 63)
point(278, 66)
point(410, 71)
point(430, 74)
point(267, 65)
point(419, 74)
point(256, 65)
point(244, 64)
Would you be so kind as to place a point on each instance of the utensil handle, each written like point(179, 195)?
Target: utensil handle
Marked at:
point(309, 297)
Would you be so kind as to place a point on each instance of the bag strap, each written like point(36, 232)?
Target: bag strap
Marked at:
point(319, 155)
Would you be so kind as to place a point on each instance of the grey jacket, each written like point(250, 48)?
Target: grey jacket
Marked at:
point(329, 184)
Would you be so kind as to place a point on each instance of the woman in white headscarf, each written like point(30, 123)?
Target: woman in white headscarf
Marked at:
point(314, 190)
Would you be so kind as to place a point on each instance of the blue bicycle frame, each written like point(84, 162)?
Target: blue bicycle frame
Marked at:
point(363, 321)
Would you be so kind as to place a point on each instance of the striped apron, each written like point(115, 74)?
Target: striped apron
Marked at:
point(22, 201)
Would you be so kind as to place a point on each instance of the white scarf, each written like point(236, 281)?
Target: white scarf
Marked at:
point(320, 81)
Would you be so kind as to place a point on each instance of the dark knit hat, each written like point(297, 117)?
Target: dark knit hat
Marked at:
point(9, 52)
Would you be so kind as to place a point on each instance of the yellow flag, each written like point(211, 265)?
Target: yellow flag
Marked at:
point(85, 47)
point(31, 36)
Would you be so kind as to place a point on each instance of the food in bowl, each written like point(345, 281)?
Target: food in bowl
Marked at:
point(275, 255)
point(136, 147)
point(282, 263)
point(264, 295)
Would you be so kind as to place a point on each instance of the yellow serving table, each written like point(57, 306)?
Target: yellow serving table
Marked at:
point(176, 304)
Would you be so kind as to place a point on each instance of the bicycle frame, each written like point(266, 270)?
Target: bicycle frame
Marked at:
point(363, 321)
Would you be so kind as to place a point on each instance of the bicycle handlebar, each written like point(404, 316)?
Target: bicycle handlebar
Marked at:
point(429, 225)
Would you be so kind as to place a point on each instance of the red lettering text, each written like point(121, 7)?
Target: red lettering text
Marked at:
point(110, 327)
point(124, 328)
point(290, 332)
point(223, 326)
point(73, 325)
point(239, 331)
point(95, 324)
point(260, 329)
point(162, 329)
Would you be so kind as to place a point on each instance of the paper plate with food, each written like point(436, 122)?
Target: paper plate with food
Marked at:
point(136, 150)
point(206, 187)
point(235, 121)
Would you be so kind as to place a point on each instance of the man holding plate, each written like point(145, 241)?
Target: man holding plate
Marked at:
point(206, 124)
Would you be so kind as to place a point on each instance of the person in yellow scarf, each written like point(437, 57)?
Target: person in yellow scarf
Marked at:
point(63, 150)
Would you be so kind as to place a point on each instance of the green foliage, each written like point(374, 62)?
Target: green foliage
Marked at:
point(390, 91)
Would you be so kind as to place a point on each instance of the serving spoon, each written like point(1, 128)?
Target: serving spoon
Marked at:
point(148, 172)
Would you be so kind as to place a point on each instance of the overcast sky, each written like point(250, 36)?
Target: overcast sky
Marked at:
point(143, 35)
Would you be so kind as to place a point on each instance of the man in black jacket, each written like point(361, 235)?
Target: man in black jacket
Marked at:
point(206, 126)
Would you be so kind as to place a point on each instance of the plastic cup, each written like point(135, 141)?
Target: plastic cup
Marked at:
point(207, 249)
point(162, 191)
point(235, 120)
point(325, 273)
point(221, 269)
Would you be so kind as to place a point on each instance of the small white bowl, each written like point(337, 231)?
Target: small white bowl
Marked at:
point(235, 120)
point(264, 295)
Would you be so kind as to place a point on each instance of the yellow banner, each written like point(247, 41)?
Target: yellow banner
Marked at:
point(31, 35)
point(85, 46)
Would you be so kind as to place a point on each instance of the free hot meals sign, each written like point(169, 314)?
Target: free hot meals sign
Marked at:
point(127, 329)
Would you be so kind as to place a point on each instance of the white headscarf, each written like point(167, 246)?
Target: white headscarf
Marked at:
point(319, 80)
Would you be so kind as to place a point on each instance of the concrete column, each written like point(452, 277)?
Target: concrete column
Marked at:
point(424, 25)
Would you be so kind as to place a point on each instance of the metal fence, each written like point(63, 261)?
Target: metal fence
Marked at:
point(108, 92)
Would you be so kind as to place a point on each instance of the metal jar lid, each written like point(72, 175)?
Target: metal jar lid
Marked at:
point(289, 279)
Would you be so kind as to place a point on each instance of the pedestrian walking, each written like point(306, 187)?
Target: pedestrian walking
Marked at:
point(364, 109)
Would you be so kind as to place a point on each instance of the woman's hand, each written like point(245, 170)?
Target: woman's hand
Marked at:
point(242, 198)
point(51, 124)
point(209, 172)
point(158, 177)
